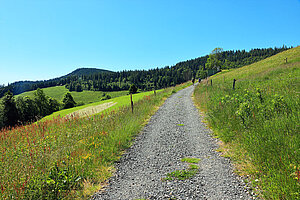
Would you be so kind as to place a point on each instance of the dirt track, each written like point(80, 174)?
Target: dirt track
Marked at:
point(91, 110)
point(174, 132)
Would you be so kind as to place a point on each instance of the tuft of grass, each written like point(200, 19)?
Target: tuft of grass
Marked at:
point(259, 121)
point(193, 167)
point(190, 160)
point(186, 173)
point(181, 174)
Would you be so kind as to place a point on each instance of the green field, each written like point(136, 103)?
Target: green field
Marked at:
point(85, 97)
point(71, 158)
point(120, 101)
point(259, 121)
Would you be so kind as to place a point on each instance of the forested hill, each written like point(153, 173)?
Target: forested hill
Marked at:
point(86, 71)
point(24, 86)
point(169, 76)
point(104, 80)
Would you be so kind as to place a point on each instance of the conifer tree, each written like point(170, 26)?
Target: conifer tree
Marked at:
point(68, 101)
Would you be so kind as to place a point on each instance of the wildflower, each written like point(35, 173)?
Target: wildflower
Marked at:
point(87, 156)
point(82, 141)
point(103, 133)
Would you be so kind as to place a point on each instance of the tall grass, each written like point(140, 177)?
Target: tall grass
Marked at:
point(69, 158)
point(260, 121)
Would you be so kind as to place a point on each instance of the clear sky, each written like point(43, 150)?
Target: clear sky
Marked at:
point(43, 39)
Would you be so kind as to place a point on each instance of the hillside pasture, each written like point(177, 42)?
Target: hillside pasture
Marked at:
point(85, 97)
point(117, 102)
point(258, 121)
point(70, 158)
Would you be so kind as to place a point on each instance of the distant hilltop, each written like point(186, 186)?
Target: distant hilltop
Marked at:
point(19, 87)
point(86, 71)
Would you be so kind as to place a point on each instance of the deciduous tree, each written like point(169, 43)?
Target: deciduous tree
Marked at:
point(213, 61)
point(27, 108)
point(42, 103)
point(10, 112)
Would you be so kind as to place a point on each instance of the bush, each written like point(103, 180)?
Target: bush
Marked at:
point(106, 97)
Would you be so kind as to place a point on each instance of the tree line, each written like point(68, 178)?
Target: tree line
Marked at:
point(152, 78)
point(169, 76)
point(23, 110)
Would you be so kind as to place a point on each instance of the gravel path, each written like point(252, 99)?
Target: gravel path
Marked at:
point(174, 132)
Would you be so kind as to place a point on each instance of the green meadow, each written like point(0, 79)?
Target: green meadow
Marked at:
point(71, 158)
point(258, 121)
point(119, 102)
point(85, 97)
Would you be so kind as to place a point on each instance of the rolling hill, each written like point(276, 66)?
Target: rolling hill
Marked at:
point(24, 86)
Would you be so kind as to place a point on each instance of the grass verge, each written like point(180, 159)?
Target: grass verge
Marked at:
point(70, 158)
point(258, 121)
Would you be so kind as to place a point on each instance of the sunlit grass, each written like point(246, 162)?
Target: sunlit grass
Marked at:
point(260, 120)
point(185, 173)
point(190, 160)
point(118, 102)
point(85, 97)
point(69, 158)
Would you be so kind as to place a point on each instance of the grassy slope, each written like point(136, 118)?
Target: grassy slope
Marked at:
point(120, 101)
point(69, 158)
point(86, 97)
point(259, 121)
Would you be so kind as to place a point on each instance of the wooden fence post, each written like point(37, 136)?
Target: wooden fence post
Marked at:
point(233, 86)
point(285, 60)
point(131, 102)
point(154, 92)
point(210, 82)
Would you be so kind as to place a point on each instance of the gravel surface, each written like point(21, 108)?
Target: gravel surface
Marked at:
point(174, 132)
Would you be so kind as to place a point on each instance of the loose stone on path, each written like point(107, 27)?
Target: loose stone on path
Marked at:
point(174, 132)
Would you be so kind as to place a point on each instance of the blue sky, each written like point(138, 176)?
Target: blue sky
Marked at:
point(43, 39)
